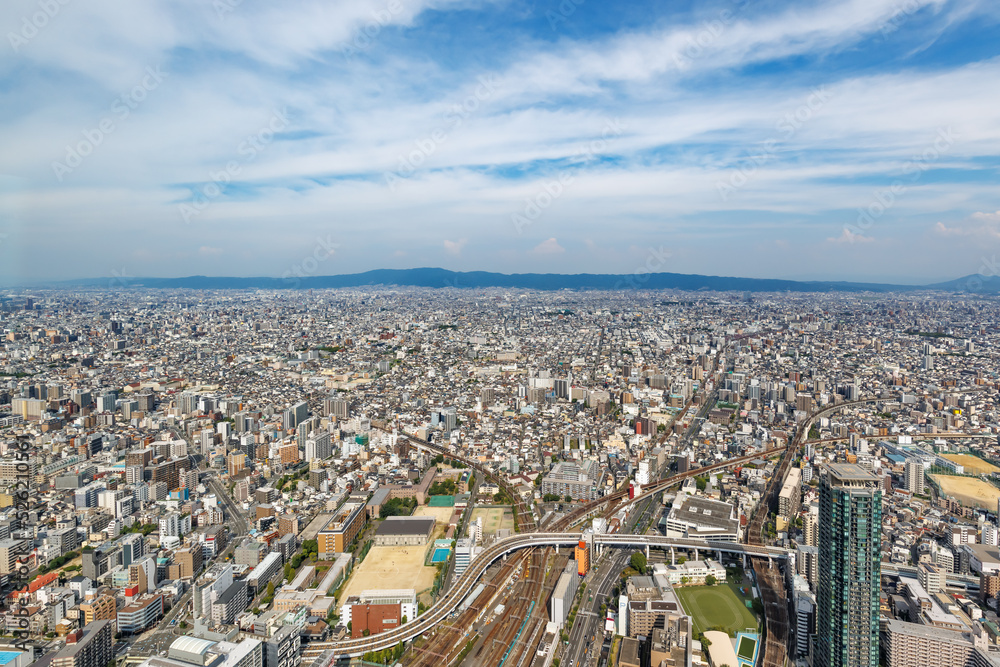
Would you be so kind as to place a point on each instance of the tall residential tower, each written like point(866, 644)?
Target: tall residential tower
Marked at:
point(850, 528)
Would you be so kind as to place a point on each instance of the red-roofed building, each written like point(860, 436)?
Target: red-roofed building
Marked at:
point(39, 582)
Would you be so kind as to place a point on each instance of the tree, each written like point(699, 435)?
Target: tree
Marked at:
point(684, 580)
point(710, 580)
point(270, 589)
point(568, 498)
point(638, 562)
point(550, 498)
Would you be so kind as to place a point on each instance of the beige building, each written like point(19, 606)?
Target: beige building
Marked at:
point(916, 645)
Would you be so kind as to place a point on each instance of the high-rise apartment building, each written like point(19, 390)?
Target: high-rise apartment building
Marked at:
point(89, 647)
point(915, 475)
point(850, 529)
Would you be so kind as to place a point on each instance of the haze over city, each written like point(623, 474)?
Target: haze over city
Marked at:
point(499, 333)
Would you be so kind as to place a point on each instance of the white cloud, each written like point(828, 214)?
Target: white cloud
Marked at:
point(983, 225)
point(850, 237)
point(991, 218)
point(548, 247)
point(682, 137)
point(455, 247)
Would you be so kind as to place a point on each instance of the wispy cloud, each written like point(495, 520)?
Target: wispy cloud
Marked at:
point(691, 116)
point(849, 237)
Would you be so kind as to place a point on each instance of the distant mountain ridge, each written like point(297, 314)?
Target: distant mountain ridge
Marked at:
point(440, 278)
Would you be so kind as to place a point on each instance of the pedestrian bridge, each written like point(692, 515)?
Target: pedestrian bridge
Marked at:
point(330, 651)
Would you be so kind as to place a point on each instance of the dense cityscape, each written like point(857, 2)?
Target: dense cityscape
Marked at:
point(498, 477)
point(499, 333)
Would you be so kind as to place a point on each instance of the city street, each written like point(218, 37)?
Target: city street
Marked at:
point(582, 649)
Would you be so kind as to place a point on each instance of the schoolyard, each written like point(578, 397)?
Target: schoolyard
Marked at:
point(719, 605)
point(494, 518)
point(391, 568)
point(970, 491)
point(972, 464)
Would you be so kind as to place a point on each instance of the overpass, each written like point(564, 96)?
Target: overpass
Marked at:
point(559, 537)
point(457, 593)
point(454, 597)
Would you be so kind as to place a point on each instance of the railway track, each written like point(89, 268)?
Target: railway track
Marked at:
point(524, 520)
point(769, 579)
point(449, 639)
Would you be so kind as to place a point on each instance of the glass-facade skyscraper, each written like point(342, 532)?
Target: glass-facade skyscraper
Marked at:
point(847, 597)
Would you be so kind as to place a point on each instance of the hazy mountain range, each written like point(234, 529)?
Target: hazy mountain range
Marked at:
point(442, 278)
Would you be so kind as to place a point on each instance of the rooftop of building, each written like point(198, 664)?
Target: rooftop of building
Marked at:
point(703, 511)
point(406, 525)
point(845, 473)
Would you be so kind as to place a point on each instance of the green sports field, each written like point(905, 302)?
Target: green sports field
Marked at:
point(711, 606)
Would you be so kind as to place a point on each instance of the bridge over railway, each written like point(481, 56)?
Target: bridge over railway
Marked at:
point(451, 601)
point(557, 535)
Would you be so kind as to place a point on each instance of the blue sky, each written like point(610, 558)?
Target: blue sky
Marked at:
point(808, 140)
